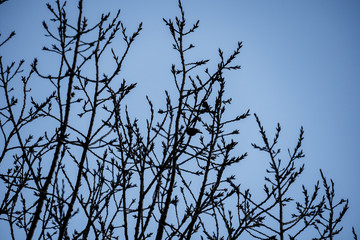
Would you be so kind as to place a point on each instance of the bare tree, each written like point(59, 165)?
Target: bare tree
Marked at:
point(93, 172)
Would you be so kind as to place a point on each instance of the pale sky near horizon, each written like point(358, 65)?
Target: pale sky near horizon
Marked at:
point(300, 67)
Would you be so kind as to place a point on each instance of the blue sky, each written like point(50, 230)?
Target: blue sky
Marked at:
point(300, 67)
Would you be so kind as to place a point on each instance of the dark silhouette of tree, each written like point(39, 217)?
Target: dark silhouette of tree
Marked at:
point(92, 172)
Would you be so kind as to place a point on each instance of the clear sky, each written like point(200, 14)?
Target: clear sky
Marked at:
point(300, 67)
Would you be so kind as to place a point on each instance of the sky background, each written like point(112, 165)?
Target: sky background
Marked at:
point(300, 67)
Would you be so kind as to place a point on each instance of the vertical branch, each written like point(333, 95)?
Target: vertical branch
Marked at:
point(354, 234)
point(174, 153)
point(62, 132)
point(327, 225)
point(284, 176)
